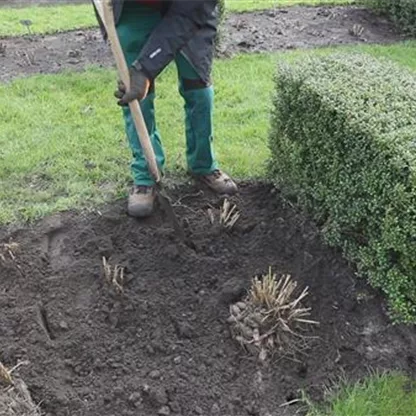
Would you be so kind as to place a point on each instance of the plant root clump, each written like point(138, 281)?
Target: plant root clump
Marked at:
point(15, 398)
point(271, 318)
point(228, 215)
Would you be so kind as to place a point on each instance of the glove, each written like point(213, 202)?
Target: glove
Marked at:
point(139, 87)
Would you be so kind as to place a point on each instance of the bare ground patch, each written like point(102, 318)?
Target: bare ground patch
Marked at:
point(162, 345)
point(271, 30)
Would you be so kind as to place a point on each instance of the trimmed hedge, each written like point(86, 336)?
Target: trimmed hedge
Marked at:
point(403, 12)
point(343, 138)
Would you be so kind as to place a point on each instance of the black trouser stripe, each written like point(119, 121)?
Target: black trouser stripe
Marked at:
point(194, 84)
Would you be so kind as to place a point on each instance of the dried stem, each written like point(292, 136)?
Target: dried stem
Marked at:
point(229, 215)
point(114, 276)
point(5, 375)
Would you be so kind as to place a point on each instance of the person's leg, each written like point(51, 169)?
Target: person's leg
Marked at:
point(199, 105)
point(135, 25)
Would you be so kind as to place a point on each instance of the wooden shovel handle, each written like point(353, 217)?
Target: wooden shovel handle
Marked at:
point(136, 112)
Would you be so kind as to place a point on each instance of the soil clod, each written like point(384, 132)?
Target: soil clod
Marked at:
point(164, 411)
point(44, 321)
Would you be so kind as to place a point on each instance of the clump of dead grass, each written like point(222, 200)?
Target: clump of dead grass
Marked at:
point(227, 217)
point(9, 250)
point(5, 375)
point(271, 318)
point(114, 276)
point(15, 398)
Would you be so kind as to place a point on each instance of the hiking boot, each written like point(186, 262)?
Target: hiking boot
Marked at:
point(219, 182)
point(141, 201)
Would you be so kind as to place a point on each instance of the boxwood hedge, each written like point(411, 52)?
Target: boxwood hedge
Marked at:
point(403, 12)
point(343, 138)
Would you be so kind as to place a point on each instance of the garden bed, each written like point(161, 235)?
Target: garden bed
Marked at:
point(164, 346)
point(263, 31)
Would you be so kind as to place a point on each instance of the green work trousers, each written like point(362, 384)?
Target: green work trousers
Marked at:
point(135, 25)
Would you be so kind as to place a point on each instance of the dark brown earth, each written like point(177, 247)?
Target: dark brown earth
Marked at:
point(272, 30)
point(164, 346)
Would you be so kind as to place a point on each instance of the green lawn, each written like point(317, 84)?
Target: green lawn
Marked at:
point(46, 19)
point(67, 17)
point(379, 395)
point(62, 142)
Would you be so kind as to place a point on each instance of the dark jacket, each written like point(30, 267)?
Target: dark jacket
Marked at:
point(188, 26)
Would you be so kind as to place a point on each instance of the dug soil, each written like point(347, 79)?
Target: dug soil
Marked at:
point(163, 347)
point(264, 31)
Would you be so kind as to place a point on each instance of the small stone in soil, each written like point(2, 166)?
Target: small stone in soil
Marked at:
point(63, 325)
point(241, 305)
point(252, 409)
point(232, 291)
point(154, 374)
point(215, 409)
point(135, 399)
point(118, 390)
point(174, 406)
point(158, 396)
point(198, 410)
point(164, 411)
point(235, 310)
point(184, 330)
point(171, 252)
point(73, 53)
point(150, 349)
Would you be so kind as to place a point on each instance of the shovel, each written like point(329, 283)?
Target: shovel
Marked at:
point(105, 11)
